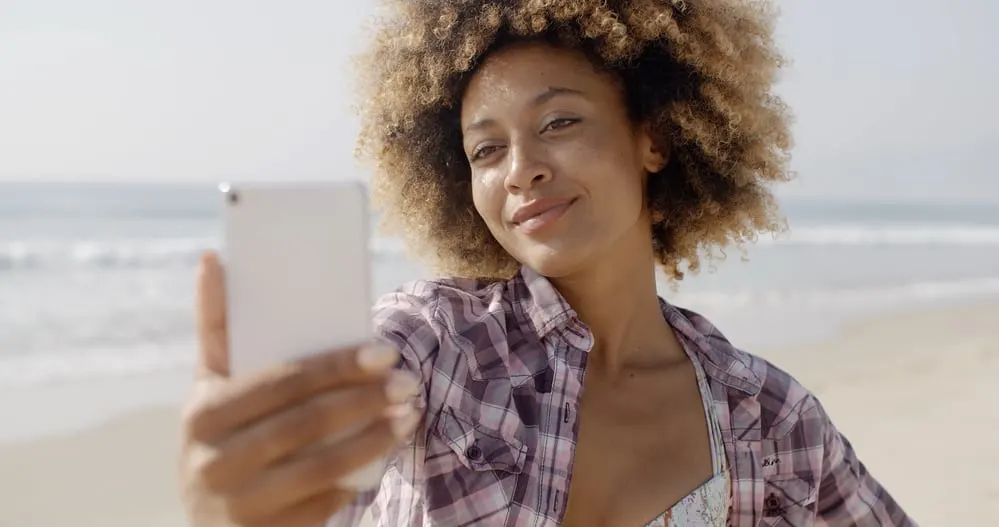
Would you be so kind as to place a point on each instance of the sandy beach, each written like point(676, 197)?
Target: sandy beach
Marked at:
point(914, 392)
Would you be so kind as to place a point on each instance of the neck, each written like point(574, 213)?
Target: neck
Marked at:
point(617, 299)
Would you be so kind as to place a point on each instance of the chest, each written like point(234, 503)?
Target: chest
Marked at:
point(642, 446)
point(546, 457)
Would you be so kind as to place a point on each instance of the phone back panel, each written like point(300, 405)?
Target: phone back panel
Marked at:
point(297, 271)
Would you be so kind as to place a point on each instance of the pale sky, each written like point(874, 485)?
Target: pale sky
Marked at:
point(893, 98)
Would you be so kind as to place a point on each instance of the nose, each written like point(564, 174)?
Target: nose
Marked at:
point(528, 168)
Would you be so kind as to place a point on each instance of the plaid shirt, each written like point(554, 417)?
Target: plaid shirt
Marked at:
point(503, 364)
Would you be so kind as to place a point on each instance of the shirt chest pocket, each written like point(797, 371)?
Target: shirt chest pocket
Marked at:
point(476, 447)
point(472, 471)
point(789, 500)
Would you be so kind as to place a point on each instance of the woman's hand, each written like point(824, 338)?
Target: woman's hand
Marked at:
point(253, 452)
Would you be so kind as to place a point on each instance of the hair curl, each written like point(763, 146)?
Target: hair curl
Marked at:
point(699, 73)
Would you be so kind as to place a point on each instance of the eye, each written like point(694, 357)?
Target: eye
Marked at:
point(558, 124)
point(483, 151)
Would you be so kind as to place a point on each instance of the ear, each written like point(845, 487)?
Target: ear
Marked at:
point(655, 151)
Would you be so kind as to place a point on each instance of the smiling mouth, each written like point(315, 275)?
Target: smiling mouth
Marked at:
point(544, 218)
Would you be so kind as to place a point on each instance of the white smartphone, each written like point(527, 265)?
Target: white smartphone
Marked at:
point(298, 278)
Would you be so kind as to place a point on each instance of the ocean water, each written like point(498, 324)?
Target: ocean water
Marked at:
point(96, 280)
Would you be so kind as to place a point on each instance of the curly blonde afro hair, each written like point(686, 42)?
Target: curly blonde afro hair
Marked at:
point(699, 73)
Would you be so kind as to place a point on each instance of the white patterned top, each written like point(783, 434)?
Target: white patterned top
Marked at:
point(707, 505)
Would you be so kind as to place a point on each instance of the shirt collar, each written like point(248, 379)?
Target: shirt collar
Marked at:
point(546, 311)
point(721, 361)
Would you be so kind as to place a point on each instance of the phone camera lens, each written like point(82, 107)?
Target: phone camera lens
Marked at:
point(233, 197)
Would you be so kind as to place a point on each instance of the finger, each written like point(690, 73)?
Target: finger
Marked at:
point(213, 352)
point(319, 470)
point(312, 512)
point(243, 400)
point(282, 435)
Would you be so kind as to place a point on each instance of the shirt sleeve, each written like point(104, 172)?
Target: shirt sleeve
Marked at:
point(403, 320)
point(848, 494)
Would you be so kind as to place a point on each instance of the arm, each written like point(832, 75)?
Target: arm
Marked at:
point(403, 320)
point(848, 494)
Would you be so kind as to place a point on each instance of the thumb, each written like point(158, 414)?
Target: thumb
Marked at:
point(213, 339)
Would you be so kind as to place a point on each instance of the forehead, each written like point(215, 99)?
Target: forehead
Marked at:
point(523, 70)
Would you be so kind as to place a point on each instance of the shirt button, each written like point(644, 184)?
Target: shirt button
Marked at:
point(473, 452)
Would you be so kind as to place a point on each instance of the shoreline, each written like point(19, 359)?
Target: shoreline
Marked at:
point(66, 407)
point(913, 390)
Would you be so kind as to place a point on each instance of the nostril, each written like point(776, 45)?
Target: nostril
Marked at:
point(541, 176)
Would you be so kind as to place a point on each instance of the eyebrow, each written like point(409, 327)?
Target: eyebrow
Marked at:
point(543, 97)
point(554, 91)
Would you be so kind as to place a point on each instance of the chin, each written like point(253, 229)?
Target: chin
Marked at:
point(553, 262)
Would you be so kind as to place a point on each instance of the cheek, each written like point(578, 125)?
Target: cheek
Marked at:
point(606, 162)
point(489, 198)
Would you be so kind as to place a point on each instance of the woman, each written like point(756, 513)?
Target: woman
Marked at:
point(549, 155)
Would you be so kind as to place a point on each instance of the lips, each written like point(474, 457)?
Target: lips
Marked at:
point(536, 208)
point(539, 213)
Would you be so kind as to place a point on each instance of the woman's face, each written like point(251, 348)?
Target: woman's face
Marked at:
point(558, 168)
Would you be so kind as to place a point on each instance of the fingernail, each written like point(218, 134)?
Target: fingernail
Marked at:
point(404, 425)
point(400, 386)
point(376, 358)
point(209, 259)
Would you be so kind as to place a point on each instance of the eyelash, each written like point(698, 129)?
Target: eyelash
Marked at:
point(482, 151)
point(553, 125)
point(565, 122)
